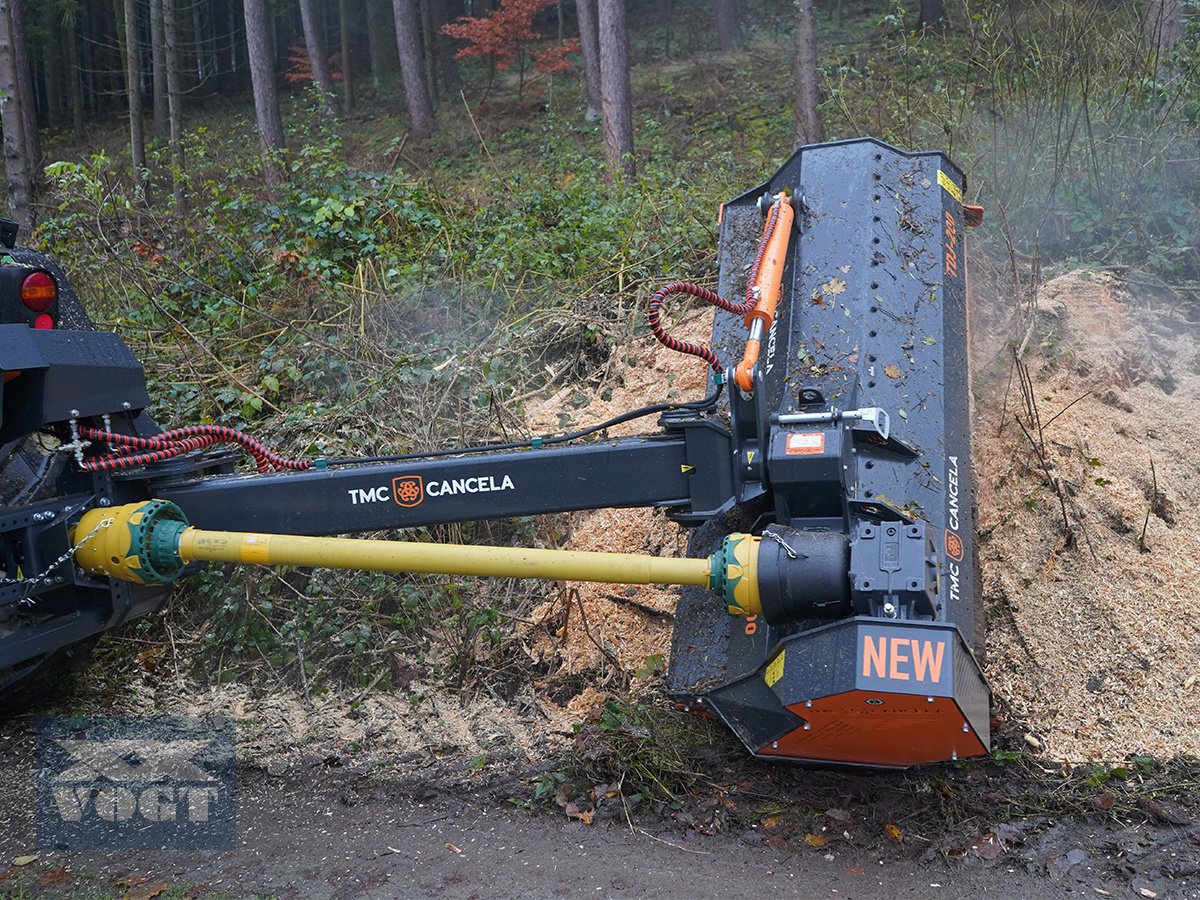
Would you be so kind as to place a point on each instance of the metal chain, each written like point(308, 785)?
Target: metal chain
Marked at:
point(36, 579)
point(781, 542)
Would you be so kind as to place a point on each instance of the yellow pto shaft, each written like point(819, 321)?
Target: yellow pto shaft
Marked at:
point(436, 559)
point(151, 542)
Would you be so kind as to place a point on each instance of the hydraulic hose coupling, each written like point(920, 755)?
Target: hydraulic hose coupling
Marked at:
point(137, 542)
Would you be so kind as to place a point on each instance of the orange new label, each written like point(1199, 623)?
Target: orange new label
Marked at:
point(902, 658)
point(805, 444)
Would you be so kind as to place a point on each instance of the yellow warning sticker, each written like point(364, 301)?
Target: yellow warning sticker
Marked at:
point(948, 183)
point(774, 670)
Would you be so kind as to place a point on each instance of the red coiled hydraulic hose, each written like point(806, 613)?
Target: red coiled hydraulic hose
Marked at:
point(137, 451)
point(683, 287)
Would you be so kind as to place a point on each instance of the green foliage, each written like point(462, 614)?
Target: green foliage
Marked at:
point(645, 750)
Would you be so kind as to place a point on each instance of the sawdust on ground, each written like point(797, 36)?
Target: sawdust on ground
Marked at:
point(619, 628)
point(1093, 640)
point(1093, 637)
point(283, 728)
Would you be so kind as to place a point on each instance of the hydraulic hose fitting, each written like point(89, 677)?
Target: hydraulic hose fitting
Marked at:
point(139, 543)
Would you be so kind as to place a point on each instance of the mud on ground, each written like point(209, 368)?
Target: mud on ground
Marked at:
point(333, 820)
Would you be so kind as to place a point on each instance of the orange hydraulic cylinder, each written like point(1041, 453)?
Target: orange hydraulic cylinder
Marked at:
point(768, 286)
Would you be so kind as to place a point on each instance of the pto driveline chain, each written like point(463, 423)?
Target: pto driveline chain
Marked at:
point(31, 581)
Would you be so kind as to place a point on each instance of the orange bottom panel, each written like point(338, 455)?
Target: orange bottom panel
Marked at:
point(878, 729)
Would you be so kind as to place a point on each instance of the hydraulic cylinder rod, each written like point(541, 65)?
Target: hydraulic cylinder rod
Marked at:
point(767, 289)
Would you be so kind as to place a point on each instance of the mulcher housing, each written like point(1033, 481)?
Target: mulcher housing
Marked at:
point(873, 315)
point(845, 463)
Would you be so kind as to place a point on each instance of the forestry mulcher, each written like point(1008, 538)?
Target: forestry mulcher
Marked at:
point(830, 606)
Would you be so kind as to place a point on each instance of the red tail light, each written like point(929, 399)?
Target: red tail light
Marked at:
point(45, 322)
point(38, 293)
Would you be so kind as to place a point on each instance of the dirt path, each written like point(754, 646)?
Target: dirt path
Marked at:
point(334, 826)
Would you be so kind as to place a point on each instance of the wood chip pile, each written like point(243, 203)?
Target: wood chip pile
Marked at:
point(613, 625)
point(1093, 638)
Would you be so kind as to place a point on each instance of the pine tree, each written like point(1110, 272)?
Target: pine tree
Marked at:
point(262, 79)
point(810, 127)
point(616, 94)
point(17, 165)
point(412, 69)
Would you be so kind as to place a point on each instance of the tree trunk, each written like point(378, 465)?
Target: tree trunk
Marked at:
point(316, 54)
point(378, 29)
point(347, 69)
point(174, 98)
point(133, 69)
point(810, 129)
point(33, 152)
point(198, 43)
point(1162, 28)
point(233, 81)
point(412, 70)
point(71, 40)
point(729, 30)
point(108, 57)
point(54, 86)
point(88, 54)
point(262, 76)
point(160, 125)
point(615, 93)
point(933, 15)
point(589, 39)
point(443, 47)
point(16, 164)
point(429, 57)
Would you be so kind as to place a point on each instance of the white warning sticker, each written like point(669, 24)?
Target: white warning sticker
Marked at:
point(808, 443)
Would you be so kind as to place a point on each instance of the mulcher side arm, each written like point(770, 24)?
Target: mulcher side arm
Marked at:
point(846, 434)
